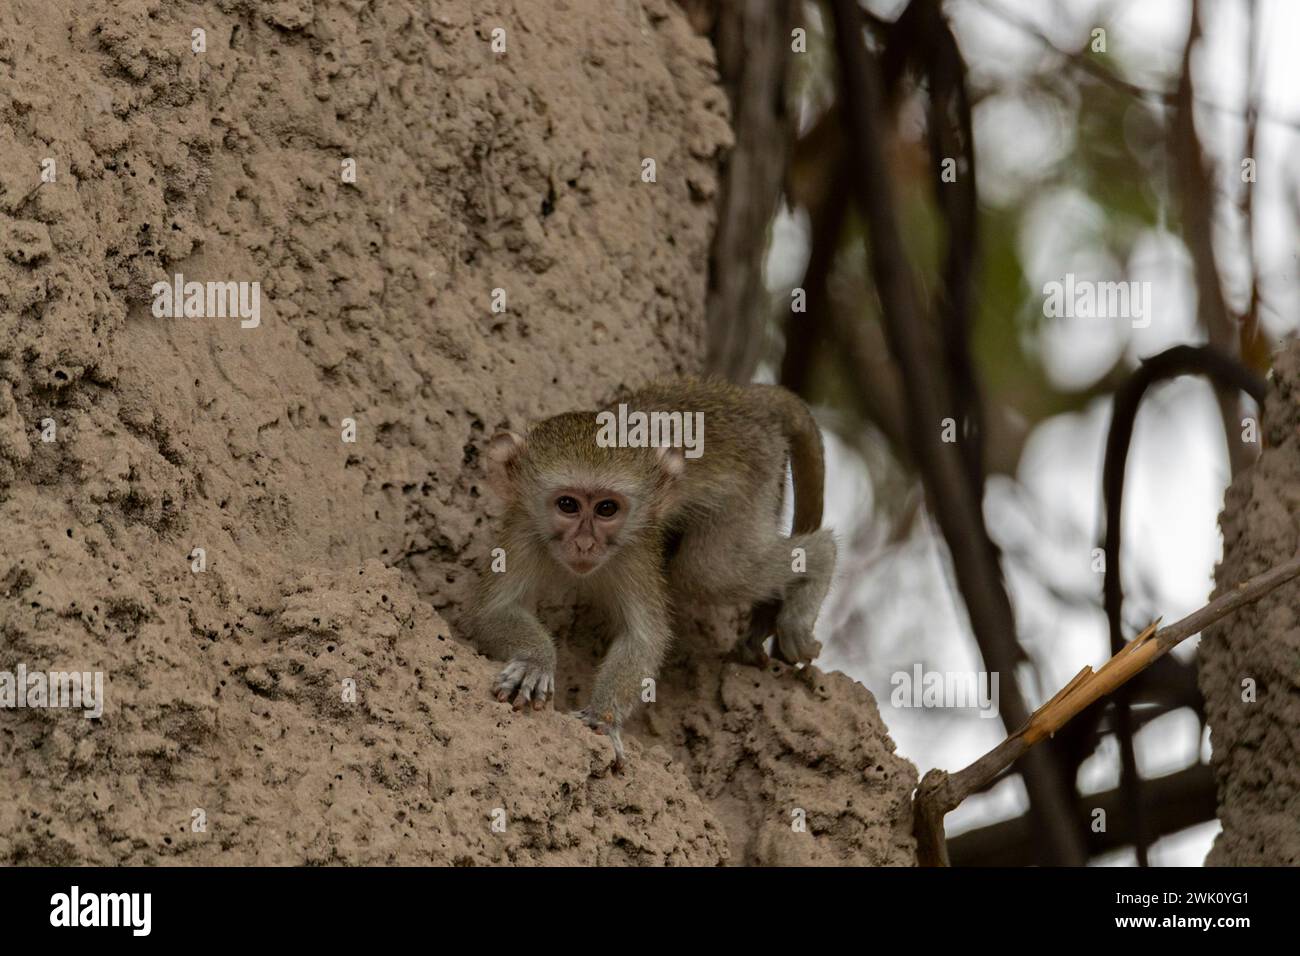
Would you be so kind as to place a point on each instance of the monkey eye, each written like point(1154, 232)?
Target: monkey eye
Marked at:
point(566, 504)
point(607, 508)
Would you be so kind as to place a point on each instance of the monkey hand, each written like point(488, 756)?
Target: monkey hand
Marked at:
point(610, 727)
point(526, 680)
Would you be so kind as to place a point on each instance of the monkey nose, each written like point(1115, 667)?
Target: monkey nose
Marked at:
point(585, 543)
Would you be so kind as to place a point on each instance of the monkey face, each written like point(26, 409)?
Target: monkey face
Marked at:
point(585, 525)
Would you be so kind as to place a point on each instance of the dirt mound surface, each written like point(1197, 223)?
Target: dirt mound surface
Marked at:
point(446, 238)
point(1248, 664)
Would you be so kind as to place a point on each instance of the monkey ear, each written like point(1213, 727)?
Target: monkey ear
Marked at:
point(504, 447)
point(502, 451)
point(671, 460)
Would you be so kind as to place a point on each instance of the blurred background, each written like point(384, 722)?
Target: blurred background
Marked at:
point(1117, 141)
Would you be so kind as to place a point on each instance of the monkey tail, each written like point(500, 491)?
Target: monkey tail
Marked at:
point(807, 459)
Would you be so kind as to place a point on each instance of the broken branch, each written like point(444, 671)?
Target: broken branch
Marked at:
point(941, 792)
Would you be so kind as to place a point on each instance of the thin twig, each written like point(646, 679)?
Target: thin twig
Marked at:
point(1251, 334)
point(1179, 800)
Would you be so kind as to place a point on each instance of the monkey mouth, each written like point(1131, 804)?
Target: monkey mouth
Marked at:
point(582, 567)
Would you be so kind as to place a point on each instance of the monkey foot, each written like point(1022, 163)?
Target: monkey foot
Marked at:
point(610, 729)
point(795, 647)
point(747, 653)
point(526, 682)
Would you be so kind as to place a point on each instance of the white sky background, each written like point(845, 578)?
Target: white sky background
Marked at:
point(1177, 467)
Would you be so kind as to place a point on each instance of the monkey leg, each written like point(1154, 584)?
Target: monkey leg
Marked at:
point(762, 621)
point(787, 579)
point(784, 579)
point(805, 591)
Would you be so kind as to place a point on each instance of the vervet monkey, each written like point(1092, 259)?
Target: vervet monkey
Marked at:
point(642, 529)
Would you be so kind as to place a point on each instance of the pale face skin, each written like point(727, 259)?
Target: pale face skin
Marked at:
point(585, 523)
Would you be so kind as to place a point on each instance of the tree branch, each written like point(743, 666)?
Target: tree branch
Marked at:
point(941, 792)
point(752, 40)
point(1183, 799)
point(1224, 373)
point(1196, 191)
point(1086, 64)
point(927, 404)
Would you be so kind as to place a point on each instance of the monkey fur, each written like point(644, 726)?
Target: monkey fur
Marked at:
point(644, 531)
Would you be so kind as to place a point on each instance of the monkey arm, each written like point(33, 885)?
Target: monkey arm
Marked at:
point(632, 659)
point(514, 634)
point(501, 626)
point(511, 631)
point(642, 633)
